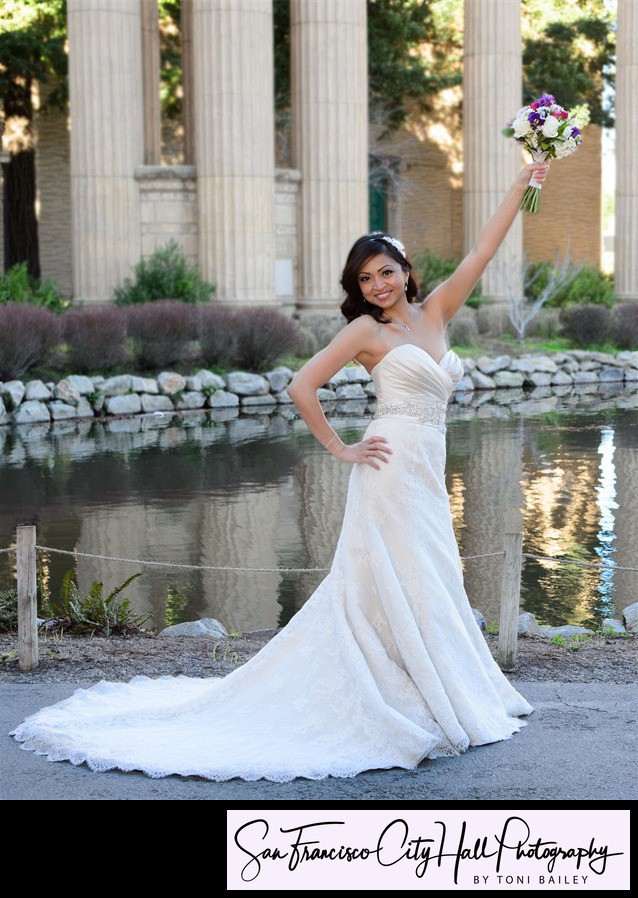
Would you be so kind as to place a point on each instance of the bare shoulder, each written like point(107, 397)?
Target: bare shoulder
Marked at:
point(354, 338)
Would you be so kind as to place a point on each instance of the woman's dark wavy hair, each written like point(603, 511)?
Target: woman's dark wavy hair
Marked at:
point(365, 248)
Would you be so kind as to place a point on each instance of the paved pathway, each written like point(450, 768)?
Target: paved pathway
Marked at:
point(580, 745)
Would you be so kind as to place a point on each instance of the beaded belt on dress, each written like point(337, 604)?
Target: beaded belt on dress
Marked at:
point(431, 412)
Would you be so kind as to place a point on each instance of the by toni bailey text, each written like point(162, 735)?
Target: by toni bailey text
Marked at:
point(316, 843)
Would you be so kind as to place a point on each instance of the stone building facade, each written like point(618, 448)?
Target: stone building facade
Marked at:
point(280, 236)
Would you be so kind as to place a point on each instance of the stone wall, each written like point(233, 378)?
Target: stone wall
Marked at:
point(286, 236)
point(168, 197)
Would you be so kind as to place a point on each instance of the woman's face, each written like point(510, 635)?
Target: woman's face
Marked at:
point(382, 281)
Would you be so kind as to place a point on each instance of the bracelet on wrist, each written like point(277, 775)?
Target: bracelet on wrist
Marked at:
point(330, 440)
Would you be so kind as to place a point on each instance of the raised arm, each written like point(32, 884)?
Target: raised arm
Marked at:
point(449, 296)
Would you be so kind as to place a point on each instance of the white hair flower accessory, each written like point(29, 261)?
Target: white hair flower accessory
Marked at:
point(391, 240)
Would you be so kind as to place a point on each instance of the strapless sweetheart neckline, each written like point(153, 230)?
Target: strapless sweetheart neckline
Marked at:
point(420, 348)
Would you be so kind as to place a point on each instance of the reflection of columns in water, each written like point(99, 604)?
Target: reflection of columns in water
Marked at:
point(562, 520)
point(626, 543)
point(493, 502)
point(242, 531)
point(146, 532)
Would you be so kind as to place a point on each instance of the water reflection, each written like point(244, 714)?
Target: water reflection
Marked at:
point(259, 491)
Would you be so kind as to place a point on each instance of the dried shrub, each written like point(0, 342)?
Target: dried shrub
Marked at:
point(463, 328)
point(95, 338)
point(161, 332)
point(262, 336)
point(624, 325)
point(308, 343)
point(27, 336)
point(585, 324)
point(216, 335)
point(544, 325)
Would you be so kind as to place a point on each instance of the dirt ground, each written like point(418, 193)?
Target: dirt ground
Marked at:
point(66, 658)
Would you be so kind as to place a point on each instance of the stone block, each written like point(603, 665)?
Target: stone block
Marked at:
point(245, 384)
point(116, 386)
point(144, 385)
point(128, 404)
point(81, 384)
point(223, 399)
point(62, 410)
point(36, 389)
point(30, 412)
point(190, 399)
point(151, 402)
point(13, 393)
point(170, 382)
point(279, 378)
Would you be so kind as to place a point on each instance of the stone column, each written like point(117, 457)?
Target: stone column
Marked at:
point(626, 241)
point(151, 82)
point(330, 140)
point(188, 88)
point(492, 73)
point(234, 146)
point(107, 143)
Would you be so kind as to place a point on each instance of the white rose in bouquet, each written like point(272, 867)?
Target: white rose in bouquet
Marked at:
point(521, 126)
point(550, 126)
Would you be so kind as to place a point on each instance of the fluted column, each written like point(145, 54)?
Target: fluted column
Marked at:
point(626, 241)
point(151, 82)
point(107, 143)
point(492, 73)
point(330, 139)
point(234, 146)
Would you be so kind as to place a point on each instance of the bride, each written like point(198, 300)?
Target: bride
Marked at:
point(384, 665)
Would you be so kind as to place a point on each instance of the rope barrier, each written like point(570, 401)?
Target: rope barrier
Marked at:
point(190, 567)
point(306, 570)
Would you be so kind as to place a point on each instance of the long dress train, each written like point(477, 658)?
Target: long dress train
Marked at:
point(383, 666)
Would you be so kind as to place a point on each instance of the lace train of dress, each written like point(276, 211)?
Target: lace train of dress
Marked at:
point(383, 666)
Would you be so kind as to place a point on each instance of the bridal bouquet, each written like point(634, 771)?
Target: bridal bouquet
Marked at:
point(547, 131)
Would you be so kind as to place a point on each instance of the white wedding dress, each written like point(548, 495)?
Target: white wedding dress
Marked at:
point(383, 666)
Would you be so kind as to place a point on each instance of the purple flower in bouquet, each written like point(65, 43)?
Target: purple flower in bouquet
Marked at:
point(546, 131)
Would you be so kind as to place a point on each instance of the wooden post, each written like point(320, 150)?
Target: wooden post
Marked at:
point(510, 600)
point(27, 598)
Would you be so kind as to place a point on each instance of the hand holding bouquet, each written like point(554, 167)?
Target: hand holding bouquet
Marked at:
point(547, 131)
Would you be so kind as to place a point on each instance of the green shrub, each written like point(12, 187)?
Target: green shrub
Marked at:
point(17, 285)
point(8, 610)
point(589, 287)
point(431, 270)
point(164, 275)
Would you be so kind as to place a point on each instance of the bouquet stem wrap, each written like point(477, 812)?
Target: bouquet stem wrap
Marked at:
point(532, 195)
